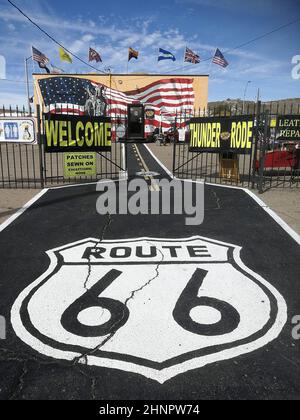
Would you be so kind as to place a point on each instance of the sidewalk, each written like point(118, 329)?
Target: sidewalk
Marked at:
point(11, 200)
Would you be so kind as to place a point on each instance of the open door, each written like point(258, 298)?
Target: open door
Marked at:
point(136, 123)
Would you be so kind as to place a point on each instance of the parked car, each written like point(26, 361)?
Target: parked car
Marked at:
point(171, 135)
point(287, 156)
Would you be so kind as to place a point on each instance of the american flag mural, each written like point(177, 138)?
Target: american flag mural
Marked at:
point(166, 98)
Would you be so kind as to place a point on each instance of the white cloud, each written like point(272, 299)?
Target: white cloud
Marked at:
point(11, 26)
point(81, 44)
point(7, 98)
point(112, 41)
point(263, 6)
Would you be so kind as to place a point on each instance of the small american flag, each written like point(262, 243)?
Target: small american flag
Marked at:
point(191, 57)
point(39, 57)
point(219, 59)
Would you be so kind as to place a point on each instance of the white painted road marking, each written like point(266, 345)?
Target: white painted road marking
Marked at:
point(154, 186)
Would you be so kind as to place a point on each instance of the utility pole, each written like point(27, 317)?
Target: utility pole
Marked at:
point(258, 94)
point(245, 92)
point(27, 82)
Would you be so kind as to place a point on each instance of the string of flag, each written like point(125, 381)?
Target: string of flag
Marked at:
point(93, 55)
point(218, 58)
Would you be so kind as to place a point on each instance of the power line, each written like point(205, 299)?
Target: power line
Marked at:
point(166, 72)
point(53, 39)
point(246, 43)
point(231, 49)
point(14, 81)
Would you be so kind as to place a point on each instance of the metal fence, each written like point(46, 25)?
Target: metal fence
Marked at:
point(28, 166)
point(261, 169)
point(278, 161)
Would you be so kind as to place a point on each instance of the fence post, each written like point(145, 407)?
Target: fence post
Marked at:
point(256, 143)
point(174, 156)
point(39, 138)
point(262, 153)
point(126, 157)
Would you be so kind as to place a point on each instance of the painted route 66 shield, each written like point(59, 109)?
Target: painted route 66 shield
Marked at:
point(155, 307)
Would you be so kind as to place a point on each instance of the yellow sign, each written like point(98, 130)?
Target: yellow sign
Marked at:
point(79, 164)
point(288, 127)
point(66, 133)
point(221, 134)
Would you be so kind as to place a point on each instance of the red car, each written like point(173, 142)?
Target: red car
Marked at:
point(286, 157)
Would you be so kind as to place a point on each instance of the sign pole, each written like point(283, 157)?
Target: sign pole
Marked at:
point(27, 84)
point(263, 153)
point(258, 111)
point(244, 98)
point(39, 139)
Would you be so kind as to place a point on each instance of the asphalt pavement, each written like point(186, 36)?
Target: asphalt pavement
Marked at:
point(144, 306)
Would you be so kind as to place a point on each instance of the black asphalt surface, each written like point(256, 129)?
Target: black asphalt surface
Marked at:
point(63, 216)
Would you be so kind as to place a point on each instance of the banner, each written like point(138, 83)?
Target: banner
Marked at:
point(69, 133)
point(17, 130)
point(222, 134)
point(79, 164)
point(288, 127)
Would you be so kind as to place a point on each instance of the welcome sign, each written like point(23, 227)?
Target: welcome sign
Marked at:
point(69, 133)
point(222, 134)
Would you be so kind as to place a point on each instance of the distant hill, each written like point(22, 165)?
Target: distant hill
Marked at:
point(283, 106)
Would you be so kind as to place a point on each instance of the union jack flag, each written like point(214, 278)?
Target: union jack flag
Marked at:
point(94, 56)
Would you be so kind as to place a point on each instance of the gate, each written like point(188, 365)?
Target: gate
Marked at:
point(28, 166)
point(270, 164)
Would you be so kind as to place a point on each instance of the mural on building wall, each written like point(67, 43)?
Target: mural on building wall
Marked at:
point(163, 99)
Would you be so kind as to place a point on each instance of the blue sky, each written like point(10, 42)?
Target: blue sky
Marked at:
point(112, 26)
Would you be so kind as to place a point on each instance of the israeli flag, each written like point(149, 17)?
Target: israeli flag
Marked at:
point(166, 55)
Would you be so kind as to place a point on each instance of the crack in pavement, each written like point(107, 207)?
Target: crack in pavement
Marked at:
point(218, 201)
point(20, 386)
point(83, 359)
point(105, 227)
point(10, 356)
point(149, 281)
point(7, 355)
point(13, 357)
point(93, 388)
